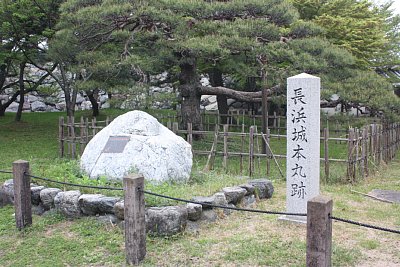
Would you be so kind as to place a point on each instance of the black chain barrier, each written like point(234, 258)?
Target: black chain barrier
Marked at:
point(365, 225)
point(224, 207)
point(8, 172)
point(76, 185)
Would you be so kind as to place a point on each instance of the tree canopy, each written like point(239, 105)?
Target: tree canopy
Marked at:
point(368, 31)
point(25, 26)
point(114, 41)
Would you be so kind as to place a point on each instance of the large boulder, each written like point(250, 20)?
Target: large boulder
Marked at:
point(137, 142)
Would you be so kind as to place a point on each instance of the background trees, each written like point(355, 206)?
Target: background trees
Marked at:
point(114, 45)
point(25, 26)
point(259, 39)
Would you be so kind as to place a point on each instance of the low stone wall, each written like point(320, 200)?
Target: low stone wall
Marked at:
point(168, 220)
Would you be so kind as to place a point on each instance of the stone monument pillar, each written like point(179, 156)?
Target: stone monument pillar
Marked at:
point(303, 143)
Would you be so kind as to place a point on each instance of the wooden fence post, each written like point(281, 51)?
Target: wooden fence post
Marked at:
point(134, 216)
point(326, 154)
point(190, 133)
point(175, 127)
point(94, 125)
point(350, 157)
point(251, 151)
point(241, 149)
point(364, 152)
point(81, 135)
point(22, 194)
point(264, 122)
point(225, 161)
point(68, 139)
point(73, 139)
point(319, 232)
point(86, 131)
point(268, 152)
point(61, 136)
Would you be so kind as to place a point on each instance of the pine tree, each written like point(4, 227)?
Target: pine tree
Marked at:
point(242, 39)
point(24, 26)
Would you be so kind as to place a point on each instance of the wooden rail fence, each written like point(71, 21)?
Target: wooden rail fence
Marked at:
point(366, 147)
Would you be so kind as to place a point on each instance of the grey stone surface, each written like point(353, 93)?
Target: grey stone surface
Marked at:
point(234, 194)
point(194, 211)
point(35, 194)
point(68, 203)
point(32, 98)
point(153, 150)
point(38, 106)
point(264, 188)
point(4, 198)
point(229, 211)
point(108, 219)
point(209, 216)
point(390, 195)
point(61, 106)
point(93, 204)
point(79, 99)
point(119, 210)
point(47, 196)
point(249, 201)
point(192, 227)
point(303, 124)
point(205, 200)
point(220, 199)
point(8, 189)
point(249, 188)
point(38, 209)
point(166, 221)
point(13, 107)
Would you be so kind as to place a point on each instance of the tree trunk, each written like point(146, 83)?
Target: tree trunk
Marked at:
point(21, 91)
point(2, 111)
point(4, 106)
point(216, 80)
point(92, 95)
point(70, 94)
point(191, 95)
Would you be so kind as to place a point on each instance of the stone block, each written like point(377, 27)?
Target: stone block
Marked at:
point(166, 221)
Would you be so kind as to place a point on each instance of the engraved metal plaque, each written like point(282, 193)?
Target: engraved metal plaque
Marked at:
point(116, 144)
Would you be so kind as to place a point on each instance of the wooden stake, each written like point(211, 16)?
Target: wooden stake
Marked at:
point(326, 154)
point(61, 136)
point(134, 217)
point(22, 194)
point(225, 160)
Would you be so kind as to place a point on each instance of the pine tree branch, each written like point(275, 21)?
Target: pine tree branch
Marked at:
point(239, 95)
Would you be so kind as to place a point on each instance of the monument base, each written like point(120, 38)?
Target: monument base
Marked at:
point(293, 219)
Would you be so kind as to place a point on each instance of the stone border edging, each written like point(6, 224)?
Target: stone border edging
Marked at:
point(161, 221)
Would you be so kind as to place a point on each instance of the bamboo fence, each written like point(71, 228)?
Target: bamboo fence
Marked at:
point(366, 147)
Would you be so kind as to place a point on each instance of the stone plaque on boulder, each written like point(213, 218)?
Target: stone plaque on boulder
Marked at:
point(136, 142)
point(116, 144)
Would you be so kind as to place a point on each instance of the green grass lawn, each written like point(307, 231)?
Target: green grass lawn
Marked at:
point(241, 239)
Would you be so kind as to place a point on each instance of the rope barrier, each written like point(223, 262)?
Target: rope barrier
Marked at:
point(224, 207)
point(365, 225)
point(72, 184)
point(212, 205)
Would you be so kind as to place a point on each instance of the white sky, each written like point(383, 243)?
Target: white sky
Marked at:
point(395, 5)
